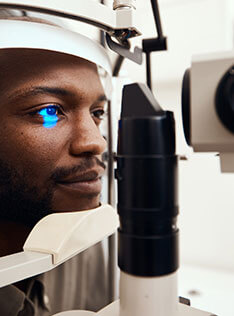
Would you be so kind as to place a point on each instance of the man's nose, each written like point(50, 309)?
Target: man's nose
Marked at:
point(86, 137)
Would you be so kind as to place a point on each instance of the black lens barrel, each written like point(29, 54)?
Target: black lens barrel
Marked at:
point(147, 188)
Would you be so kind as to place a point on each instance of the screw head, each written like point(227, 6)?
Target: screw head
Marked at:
point(131, 4)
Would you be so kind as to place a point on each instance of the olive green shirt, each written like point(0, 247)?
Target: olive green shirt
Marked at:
point(79, 283)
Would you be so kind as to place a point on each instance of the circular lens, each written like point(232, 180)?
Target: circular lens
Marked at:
point(186, 106)
point(224, 100)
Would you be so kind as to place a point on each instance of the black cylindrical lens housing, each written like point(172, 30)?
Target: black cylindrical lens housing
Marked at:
point(147, 172)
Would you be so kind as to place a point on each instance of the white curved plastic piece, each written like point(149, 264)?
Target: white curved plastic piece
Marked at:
point(88, 11)
point(63, 235)
point(75, 313)
point(151, 295)
point(24, 34)
point(113, 310)
point(183, 310)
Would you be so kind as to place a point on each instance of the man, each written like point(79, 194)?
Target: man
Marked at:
point(51, 106)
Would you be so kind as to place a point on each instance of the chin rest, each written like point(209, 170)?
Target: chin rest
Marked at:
point(63, 235)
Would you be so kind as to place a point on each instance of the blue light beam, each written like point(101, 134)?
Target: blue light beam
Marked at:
point(49, 116)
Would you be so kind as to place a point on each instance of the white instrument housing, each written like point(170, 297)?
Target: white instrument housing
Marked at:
point(208, 134)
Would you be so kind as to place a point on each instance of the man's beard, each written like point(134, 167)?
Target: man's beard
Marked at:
point(20, 201)
point(25, 203)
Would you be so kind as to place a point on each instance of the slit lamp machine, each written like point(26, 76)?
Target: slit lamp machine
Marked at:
point(147, 165)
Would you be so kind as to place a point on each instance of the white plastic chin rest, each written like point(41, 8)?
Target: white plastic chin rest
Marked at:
point(113, 310)
point(64, 235)
point(75, 313)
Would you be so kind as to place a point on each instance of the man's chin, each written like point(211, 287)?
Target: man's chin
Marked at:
point(80, 203)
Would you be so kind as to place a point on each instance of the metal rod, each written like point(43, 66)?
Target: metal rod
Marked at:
point(155, 8)
point(102, 34)
point(148, 71)
point(50, 11)
point(111, 265)
point(117, 66)
point(112, 268)
point(111, 201)
point(110, 157)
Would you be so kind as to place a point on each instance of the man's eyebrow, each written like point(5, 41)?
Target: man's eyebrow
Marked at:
point(50, 91)
point(101, 98)
point(40, 91)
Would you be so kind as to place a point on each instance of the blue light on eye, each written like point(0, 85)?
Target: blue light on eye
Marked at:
point(49, 116)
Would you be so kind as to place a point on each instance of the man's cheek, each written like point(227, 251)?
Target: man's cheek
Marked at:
point(35, 151)
point(33, 164)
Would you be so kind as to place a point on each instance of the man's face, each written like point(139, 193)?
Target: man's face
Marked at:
point(51, 106)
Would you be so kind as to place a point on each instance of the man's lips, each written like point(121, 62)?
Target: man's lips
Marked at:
point(84, 177)
point(88, 182)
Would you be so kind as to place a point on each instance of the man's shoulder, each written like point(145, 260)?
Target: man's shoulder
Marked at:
point(80, 282)
point(13, 301)
point(90, 259)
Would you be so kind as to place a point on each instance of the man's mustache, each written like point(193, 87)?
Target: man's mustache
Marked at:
point(85, 164)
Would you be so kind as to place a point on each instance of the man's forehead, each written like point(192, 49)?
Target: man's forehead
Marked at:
point(20, 55)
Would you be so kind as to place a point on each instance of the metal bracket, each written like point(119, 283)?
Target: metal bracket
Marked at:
point(124, 51)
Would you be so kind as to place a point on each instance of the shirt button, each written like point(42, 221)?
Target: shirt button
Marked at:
point(46, 301)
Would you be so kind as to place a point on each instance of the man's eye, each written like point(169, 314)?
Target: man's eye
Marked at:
point(99, 114)
point(50, 115)
point(49, 111)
